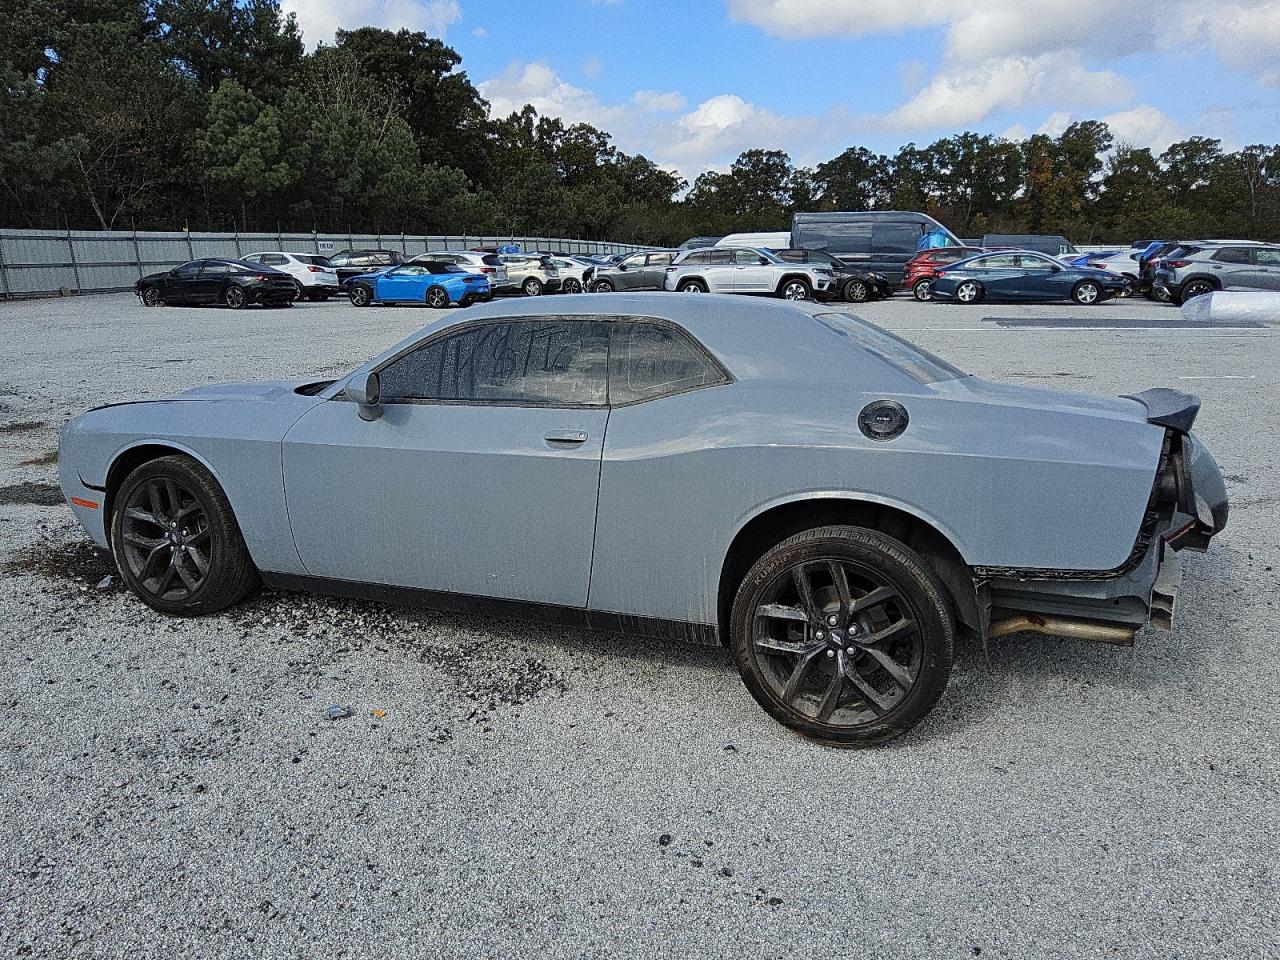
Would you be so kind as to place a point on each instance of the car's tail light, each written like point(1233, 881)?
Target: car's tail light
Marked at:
point(1176, 264)
point(265, 277)
point(488, 269)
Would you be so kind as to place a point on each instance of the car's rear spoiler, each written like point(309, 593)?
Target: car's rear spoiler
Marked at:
point(1168, 408)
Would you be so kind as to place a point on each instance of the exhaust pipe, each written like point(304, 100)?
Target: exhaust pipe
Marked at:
point(1114, 634)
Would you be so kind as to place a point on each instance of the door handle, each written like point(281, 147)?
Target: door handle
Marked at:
point(566, 436)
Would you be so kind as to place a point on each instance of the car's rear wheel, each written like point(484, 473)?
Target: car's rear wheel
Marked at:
point(151, 297)
point(969, 292)
point(844, 635)
point(437, 297)
point(361, 296)
point(693, 286)
point(572, 286)
point(532, 287)
point(234, 297)
point(1196, 288)
point(176, 542)
point(1087, 293)
point(298, 292)
point(603, 286)
point(923, 290)
point(794, 289)
point(857, 291)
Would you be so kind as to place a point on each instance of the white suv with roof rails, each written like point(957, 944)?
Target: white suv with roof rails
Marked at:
point(747, 270)
point(313, 274)
point(487, 265)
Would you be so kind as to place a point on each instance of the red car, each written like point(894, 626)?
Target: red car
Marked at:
point(922, 267)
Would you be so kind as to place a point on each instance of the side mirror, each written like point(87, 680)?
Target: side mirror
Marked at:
point(1056, 269)
point(365, 392)
point(622, 266)
point(1134, 256)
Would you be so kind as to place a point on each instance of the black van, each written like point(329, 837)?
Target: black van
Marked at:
point(881, 241)
point(1050, 243)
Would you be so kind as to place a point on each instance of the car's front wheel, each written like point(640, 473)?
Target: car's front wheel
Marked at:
point(572, 285)
point(923, 290)
point(151, 297)
point(298, 292)
point(844, 635)
point(361, 296)
point(532, 287)
point(234, 297)
point(176, 542)
point(794, 289)
point(857, 291)
point(969, 292)
point(1087, 293)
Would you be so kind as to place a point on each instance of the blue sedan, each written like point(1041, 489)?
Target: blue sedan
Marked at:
point(1022, 276)
point(431, 282)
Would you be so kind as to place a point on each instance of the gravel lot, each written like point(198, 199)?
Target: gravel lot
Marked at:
point(173, 788)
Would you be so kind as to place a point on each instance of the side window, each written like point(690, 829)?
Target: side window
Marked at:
point(1034, 263)
point(273, 259)
point(1004, 261)
point(545, 361)
point(189, 270)
point(895, 237)
point(658, 259)
point(215, 268)
point(254, 258)
point(698, 257)
point(648, 360)
point(722, 257)
point(1268, 258)
point(634, 261)
point(1233, 255)
point(746, 257)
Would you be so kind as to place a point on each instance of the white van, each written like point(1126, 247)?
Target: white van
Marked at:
point(776, 240)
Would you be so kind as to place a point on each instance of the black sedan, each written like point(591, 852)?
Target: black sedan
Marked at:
point(234, 283)
point(852, 284)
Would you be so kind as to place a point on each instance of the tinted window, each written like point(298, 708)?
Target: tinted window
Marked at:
point(544, 361)
point(722, 256)
point(698, 256)
point(658, 259)
point(1232, 255)
point(434, 266)
point(340, 260)
point(850, 237)
point(635, 260)
point(895, 237)
point(1268, 258)
point(491, 260)
point(314, 260)
point(188, 270)
point(648, 360)
point(746, 257)
point(1036, 263)
point(1004, 261)
point(216, 268)
point(921, 365)
point(273, 259)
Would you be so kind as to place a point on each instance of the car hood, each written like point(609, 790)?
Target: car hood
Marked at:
point(976, 390)
point(247, 390)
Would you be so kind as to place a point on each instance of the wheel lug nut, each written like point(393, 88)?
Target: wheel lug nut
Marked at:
point(831, 653)
point(820, 635)
point(833, 620)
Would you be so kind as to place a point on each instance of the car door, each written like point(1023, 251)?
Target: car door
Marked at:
point(1266, 274)
point(655, 271)
point(630, 273)
point(720, 272)
point(999, 275)
point(1043, 279)
point(752, 273)
point(402, 284)
point(180, 282)
point(209, 283)
point(479, 477)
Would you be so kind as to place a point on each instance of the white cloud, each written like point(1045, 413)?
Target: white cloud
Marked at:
point(320, 18)
point(1055, 123)
point(1145, 126)
point(655, 101)
point(480, 32)
point(592, 67)
point(725, 125)
point(1245, 34)
point(538, 85)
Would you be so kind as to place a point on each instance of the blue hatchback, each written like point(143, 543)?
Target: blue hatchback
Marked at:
point(1021, 276)
point(431, 282)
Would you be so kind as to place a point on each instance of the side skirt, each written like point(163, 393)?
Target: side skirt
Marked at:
point(549, 614)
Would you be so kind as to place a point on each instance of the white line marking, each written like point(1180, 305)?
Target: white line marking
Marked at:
point(1225, 376)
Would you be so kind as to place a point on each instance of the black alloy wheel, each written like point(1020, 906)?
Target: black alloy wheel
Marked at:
point(857, 291)
point(234, 297)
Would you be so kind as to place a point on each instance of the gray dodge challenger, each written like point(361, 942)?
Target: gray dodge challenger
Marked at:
point(828, 500)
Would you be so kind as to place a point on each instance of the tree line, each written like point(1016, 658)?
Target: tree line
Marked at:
point(120, 114)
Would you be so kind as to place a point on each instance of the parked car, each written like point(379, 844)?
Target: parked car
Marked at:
point(1172, 250)
point(1047, 243)
point(881, 241)
point(488, 265)
point(851, 283)
point(233, 283)
point(880, 500)
point(769, 240)
point(350, 263)
point(532, 274)
point(1124, 262)
point(313, 275)
point(431, 282)
point(920, 269)
point(1023, 276)
point(573, 273)
point(1192, 271)
point(693, 242)
point(644, 270)
point(747, 270)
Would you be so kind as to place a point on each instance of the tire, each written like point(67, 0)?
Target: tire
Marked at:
point(234, 297)
point(437, 297)
point(692, 286)
point(151, 297)
point(572, 286)
point(1087, 293)
point(150, 551)
point(532, 287)
point(361, 295)
point(603, 286)
point(794, 289)
point(900, 677)
point(298, 292)
point(857, 291)
point(1195, 288)
point(969, 291)
point(922, 290)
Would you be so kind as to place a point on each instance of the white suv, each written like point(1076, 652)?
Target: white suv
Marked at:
point(747, 270)
point(314, 275)
point(487, 265)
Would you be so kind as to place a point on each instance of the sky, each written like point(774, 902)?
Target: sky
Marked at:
point(692, 83)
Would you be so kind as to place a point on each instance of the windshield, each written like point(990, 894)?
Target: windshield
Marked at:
point(917, 363)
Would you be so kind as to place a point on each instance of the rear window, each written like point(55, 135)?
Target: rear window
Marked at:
point(491, 260)
point(917, 363)
point(313, 260)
